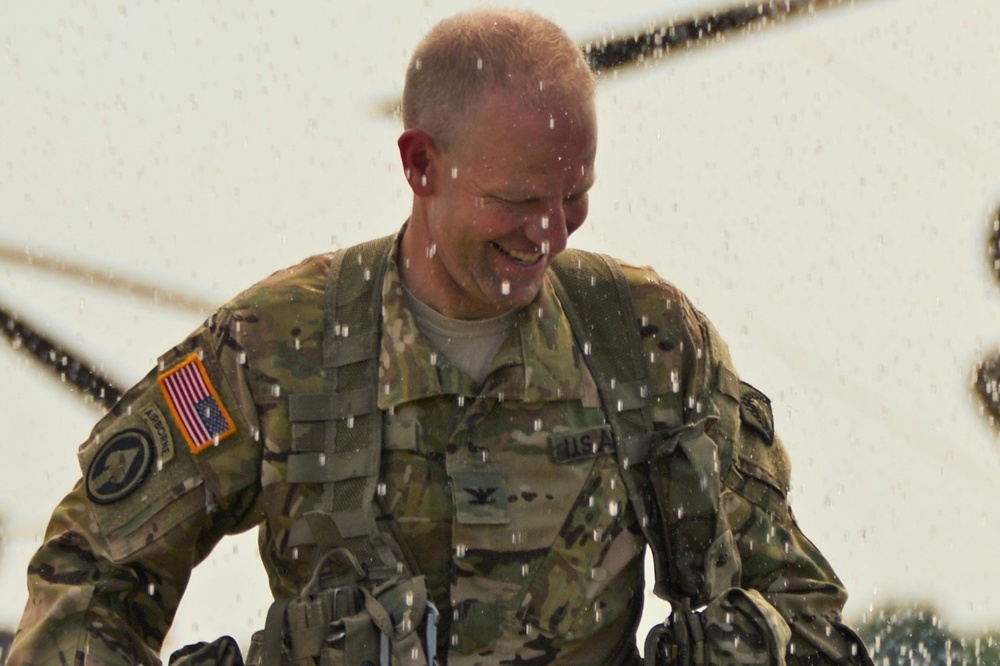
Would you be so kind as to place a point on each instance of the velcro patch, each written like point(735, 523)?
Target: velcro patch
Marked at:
point(755, 411)
point(120, 466)
point(480, 497)
point(573, 446)
point(195, 404)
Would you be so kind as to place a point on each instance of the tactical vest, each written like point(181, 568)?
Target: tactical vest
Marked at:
point(365, 603)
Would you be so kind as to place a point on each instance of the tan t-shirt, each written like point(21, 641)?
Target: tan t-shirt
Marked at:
point(469, 344)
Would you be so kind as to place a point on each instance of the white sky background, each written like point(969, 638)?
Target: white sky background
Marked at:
point(823, 191)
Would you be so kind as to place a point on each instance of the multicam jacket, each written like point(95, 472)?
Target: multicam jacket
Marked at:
point(508, 495)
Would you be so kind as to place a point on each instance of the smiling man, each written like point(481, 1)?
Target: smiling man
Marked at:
point(457, 441)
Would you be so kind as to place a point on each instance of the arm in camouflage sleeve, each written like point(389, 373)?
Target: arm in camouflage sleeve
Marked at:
point(777, 559)
point(119, 549)
point(786, 583)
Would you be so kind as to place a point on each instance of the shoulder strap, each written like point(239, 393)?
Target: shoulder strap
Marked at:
point(693, 551)
point(596, 298)
point(347, 459)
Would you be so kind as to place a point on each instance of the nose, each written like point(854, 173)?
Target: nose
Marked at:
point(550, 231)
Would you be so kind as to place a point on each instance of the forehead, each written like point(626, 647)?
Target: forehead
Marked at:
point(513, 126)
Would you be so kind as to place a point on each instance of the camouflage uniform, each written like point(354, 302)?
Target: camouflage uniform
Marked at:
point(507, 495)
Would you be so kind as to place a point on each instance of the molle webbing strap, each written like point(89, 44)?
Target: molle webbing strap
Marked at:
point(346, 458)
point(596, 298)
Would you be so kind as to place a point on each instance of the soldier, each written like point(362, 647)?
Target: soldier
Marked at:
point(442, 435)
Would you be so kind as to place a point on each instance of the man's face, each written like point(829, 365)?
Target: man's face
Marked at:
point(506, 195)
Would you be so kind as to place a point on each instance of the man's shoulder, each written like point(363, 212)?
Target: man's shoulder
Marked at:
point(303, 283)
point(652, 295)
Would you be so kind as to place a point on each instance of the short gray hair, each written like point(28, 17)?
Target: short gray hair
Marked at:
point(465, 56)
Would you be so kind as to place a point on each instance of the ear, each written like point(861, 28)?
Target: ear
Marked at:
point(418, 153)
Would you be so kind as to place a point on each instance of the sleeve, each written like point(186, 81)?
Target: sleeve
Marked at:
point(173, 468)
point(777, 559)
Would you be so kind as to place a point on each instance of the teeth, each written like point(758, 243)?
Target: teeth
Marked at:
point(520, 256)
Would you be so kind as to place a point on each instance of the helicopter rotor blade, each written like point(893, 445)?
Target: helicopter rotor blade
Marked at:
point(79, 272)
point(92, 384)
point(658, 41)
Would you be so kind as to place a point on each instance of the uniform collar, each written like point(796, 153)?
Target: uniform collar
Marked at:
point(538, 362)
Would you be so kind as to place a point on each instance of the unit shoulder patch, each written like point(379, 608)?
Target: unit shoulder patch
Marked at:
point(157, 424)
point(755, 411)
point(120, 466)
point(195, 404)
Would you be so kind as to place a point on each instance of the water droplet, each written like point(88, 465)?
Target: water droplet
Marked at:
point(295, 553)
point(350, 422)
point(432, 250)
point(586, 348)
point(545, 221)
point(613, 507)
point(381, 489)
point(434, 358)
point(322, 460)
point(546, 246)
point(150, 589)
point(524, 569)
point(298, 344)
point(460, 550)
point(538, 425)
point(479, 63)
point(242, 358)
point(454, 172)
point(460, 400)
point(505, 287)
point(552, 122)
point(409, 597)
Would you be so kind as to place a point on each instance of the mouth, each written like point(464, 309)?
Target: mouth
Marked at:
point(522, 258)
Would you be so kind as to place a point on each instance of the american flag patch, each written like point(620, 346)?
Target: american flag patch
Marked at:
point(196, 405)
